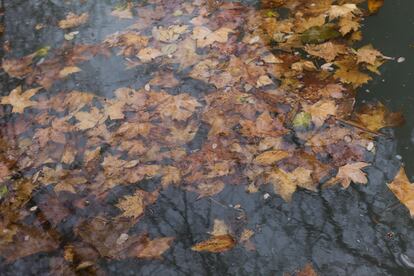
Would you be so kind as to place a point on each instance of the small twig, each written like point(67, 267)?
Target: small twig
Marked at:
point(349, 123)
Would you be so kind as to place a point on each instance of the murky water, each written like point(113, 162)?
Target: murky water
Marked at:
point(362, 230)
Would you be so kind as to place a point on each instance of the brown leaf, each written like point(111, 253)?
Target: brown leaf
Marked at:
point(348, 72)
point(133, 206)
point(216, 244)
point(403, 190)
point(72, 20)
point(377, 116)
point(270, 157)
point(20, 99)
point(153, 249)
point(351, 173)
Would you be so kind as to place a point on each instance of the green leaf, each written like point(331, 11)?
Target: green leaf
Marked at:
point(302, 120)
point(3, 191)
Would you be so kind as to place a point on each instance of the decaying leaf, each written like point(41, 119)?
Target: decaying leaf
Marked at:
point(403, 190)
point(153, 249)
point(216, 244)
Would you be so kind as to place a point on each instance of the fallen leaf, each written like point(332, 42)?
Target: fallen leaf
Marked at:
point(151, 249)
point(68, 70)
point(72, 20)
point(216, 244)
point(403, 190)
point(271, 157)
point(19, 99)
point(133, 206)
point(320, 111)
point(376, 116)
point(148, 54)
point(169, 34)
point(375, 5)
point(350, 173)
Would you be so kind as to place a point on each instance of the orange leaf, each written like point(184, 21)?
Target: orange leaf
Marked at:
point(216, 244)
point(374, 5)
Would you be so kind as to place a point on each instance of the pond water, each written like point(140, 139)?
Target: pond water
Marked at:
point(176, 138)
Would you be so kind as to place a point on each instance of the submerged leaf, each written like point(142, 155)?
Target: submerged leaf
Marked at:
point(320, 34)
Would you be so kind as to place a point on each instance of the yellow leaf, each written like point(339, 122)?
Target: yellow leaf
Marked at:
point(216, 244)
point(351, 172)
point(403, 190)
point(72, 20)
point(68, 70)
point(133, 206)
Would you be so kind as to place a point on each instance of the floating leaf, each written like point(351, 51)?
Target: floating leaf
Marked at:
point(216, 244)
point(403, 190)
point(375, 5)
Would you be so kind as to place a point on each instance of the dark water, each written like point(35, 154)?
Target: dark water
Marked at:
point(359, 231)
point(392, 32)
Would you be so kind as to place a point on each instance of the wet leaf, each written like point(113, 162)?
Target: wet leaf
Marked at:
point(19, 99)
point(134, 206)
point(351, 173)
point(403, 190)
point(376, 116)
point(375, 5)
point(216, 244)
point(153, 249)
point(271, 157)
point(302, 120)
point(72, 20)
point(320, 34)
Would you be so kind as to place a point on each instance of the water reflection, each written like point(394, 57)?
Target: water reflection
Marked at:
point(150, 124)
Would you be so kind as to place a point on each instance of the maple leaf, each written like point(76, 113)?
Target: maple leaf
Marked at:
point(286, 183)
point(348, 72)
point(377, 116)
point(133, 206)
point(328, 50)
point(345, 10)
point(348, 24)
point(368, 55)
point(72, 20)
point(350, 172)
point(403, 190)
point(321, 110)
point(19, 99)
point(89, 119)
point(216, 244)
